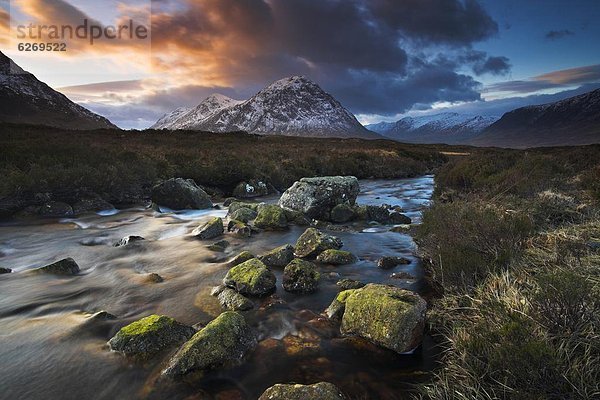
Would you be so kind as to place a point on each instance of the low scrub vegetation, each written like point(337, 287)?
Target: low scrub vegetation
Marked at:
point(121, 166)
point(514, 240)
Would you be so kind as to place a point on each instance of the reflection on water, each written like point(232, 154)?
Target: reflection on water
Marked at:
point(52, 347)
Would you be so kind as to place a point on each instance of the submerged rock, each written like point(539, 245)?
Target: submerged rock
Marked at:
point(56, 209)
point(342, 213)
point(5, 270)
point(392, 262)
point(336, 257)
point(66, 266)
point(210, 229)
point(279, 257)
point(251, 277)
point(128, 240)
point(313, 242)
point(243, 214)
point(240, 258)
point(316, 197)
point(154, 278)
point(346, 284)
point(300, 276)
point(180, 194)
point(222, 343)
point(232, 300)
point(219, 246)
point(388, 316)
point(317, 391)
point(271, 217)
point(149, 335)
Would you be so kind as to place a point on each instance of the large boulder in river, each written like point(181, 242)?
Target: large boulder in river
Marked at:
point(243, 214)
point(271, 217)
point(386, 315)
point(300, 276)
point(180, 194)
point(313, 242)
point(279, 257)
point(318, 391)
point(222, 343)
point(251, 277)
point(209, 230)
point(149, 335)
point(66, 266)
point(316, 197)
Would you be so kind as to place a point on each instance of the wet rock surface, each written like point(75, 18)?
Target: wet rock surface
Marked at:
point(336, 257)
point(313, 242)
point(279, 257)
point(209, 230)
point(251, 277)
point(66, 266)
point(317, 391)
point(180, 194)
point(301, 276)
point(149, 335)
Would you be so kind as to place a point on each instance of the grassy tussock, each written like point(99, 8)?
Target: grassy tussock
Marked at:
point(520, 265)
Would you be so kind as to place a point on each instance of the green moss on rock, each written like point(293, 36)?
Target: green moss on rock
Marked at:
point(313, 242)
point(210, 230)
point(149, 335)
point(240, 258)
point(243, 214)
point(251, 277)
point(388, 316)
point(222, 343)
point(279, 257)
point(336, 257)
point(271, 217)
point(318, 391)
point(300, 276)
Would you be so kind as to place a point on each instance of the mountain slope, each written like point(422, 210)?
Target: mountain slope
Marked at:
point(186, 118)
point(26, 100)
point(573, 121)
point(450, 128)
point(292, 106)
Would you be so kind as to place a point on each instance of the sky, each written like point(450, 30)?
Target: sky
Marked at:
point(382, 59)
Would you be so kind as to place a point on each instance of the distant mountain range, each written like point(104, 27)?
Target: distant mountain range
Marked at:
point(292, 106)
point(450, 128)
point(569, 122)
point(26, 100)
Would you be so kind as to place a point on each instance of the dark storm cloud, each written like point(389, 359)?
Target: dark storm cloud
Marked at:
point(555, 35)
point(440, 21)
point(493, 65)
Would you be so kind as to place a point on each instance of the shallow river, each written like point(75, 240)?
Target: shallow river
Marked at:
point(50, 348)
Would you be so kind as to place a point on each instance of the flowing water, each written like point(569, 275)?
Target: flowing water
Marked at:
point(51, 347)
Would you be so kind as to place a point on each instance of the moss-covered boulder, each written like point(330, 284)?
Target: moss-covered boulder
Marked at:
point(271, 217)
point(346, 284)
point(296, 218)
point(279, 257)
point(316, 197)
point(336, 257)
point(251, 188)
point(66, 266)
point(240, 258)
point(222, 343)
point(313, 242)
point(232, 300)
point(337, 306)
point(180, 194)
point(318, 391)
point(243, 214)
point(301, 276)
point(342, 213)
point(388, 316)
point(379, 214)
point(239, 229)
point(236, 205)
point(391, 262)
point(251, 277)
point(399, 218)
point(149, 335)
point(209, 230)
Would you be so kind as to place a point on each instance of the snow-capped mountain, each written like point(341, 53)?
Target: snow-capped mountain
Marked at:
point(450, 128)
point(26, 100)
point(569, 122)
point(189, 118)
point(292, 106)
